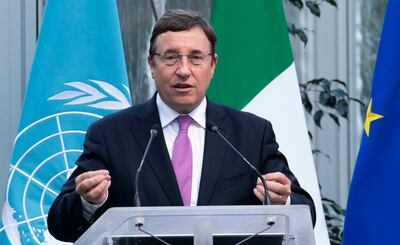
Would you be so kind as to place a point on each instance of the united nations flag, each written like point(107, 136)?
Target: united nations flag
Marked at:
point(78, 76)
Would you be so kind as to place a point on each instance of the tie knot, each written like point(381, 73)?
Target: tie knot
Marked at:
point(184, 122)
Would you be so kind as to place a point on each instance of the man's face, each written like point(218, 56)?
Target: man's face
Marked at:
point(182, 86)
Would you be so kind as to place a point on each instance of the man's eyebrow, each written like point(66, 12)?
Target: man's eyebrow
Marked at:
point(173, 50)
point(196, 51)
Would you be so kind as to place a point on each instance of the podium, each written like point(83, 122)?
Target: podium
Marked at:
point(203, 225)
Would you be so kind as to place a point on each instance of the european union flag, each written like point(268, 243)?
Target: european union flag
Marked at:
point(78, 75)
point(373, 209)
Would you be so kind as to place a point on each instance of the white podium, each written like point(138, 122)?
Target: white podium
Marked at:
point(219, 225)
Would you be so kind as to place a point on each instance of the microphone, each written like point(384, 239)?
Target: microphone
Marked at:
point(153, 134)
point(139, 221)
point(213, 128)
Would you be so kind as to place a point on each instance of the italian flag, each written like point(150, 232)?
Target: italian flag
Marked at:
point(256, 73)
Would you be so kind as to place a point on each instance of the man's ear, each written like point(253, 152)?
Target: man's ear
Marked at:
point(215, 59)
point(151, 64)
point(214, 63)
point(150, 61)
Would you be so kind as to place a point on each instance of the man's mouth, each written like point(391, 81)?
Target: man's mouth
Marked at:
point(182, 87)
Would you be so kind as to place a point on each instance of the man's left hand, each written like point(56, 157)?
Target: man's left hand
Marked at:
point(279, 188)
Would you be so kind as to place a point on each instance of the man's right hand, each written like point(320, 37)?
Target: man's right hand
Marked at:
point(93, 186)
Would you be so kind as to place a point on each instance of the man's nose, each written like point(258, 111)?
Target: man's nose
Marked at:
point(183, 67)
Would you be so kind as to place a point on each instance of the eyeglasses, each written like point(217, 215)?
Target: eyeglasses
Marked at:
point(172, 58)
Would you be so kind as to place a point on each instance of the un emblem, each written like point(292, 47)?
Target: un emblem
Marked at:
point(44, 157)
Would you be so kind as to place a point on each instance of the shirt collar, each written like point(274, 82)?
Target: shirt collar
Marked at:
point(167, 114)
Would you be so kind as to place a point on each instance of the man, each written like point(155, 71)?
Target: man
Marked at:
point(187, 164)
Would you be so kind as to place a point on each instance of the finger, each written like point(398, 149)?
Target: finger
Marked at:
point(99, 190)
point(277, 177)
point(97, 194)
point(259, 182)
point(279, 188)
point(274, 197)
point(270, 177)
point(91, 174)
point(88, 184)
point(277, 198)
point(105, 191)
point(104, 194)
point(258, 194)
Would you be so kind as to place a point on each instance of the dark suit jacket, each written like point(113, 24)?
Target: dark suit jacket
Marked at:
point(117, 143)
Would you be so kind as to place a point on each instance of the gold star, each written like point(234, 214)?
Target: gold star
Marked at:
point(370, 117)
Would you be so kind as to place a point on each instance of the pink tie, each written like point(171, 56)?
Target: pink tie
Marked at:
point(182, 159)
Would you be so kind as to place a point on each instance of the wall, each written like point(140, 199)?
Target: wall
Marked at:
point(18, 37)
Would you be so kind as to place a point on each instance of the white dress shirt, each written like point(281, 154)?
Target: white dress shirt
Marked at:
point(196, 133)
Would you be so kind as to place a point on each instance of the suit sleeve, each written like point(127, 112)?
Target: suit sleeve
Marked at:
point(65, 220)
point(275, 161)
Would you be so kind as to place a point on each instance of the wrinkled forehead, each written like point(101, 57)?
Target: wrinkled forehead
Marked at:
point(191, 40)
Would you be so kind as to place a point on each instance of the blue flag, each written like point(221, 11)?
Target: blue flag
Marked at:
point(373, 212)
point(78, 75)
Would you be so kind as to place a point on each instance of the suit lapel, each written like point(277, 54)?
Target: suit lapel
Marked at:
point(214, 151)
point(158, 157)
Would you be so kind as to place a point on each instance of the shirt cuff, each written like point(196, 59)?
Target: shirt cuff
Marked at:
point(88, 209)
point(288, 200)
